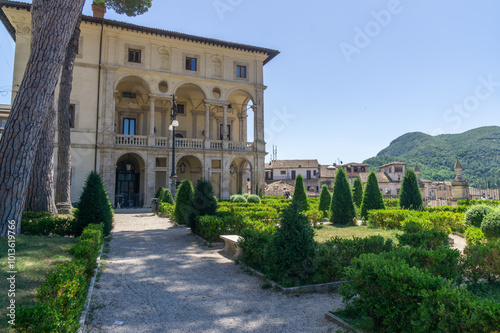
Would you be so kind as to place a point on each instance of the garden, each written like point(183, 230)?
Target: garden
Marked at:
point(55, 260)
point(401, 273)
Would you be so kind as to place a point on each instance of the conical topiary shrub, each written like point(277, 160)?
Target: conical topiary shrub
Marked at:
point(410, 196)
point(372, 199)
point(343, 211)
point(94, 206)
point(299, 194)
point(290, 255)
point(325, 200)
point(357, 192)
point(159, 192)
point(184, 202)
point(204, 202)
point(167, 196)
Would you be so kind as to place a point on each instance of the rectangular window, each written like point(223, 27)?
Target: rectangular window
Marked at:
point(293, 174)
point(181, 108)
point(191, 64)
point(129, 126)
point(308, 174)
point(398, 169)
point(241, 71)
point(222, 132)
point(282, 172)
point(71, 116)
point(134, 55)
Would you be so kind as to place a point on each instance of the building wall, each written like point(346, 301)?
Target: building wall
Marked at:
point(98, 100)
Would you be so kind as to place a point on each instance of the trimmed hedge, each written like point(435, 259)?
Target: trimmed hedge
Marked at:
point(394, 218)
point(474, 236)
point(184, 202)
point(254, 247)
point(482, 261)
point(479, 202)
point(491, 225)
point(166, 209)
point(44, 224)
point(336, 254)
point(388, 291)
point(61, 298)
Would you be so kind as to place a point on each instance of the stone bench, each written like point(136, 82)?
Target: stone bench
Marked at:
point(231, 246)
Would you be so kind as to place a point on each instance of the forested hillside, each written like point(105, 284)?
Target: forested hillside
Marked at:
point(478, 150)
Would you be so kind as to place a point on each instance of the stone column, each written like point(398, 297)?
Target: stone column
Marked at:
point(224, 124)
point(150, 181)
point(259, 122)
point(195, 127)
point(243, 126)
point(207, 121)
point(163, 122)
point(108, 114)
point(151, 139)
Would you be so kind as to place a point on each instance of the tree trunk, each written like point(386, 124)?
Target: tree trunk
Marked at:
point(63, 181)
point(40, 196)
point(53, 23)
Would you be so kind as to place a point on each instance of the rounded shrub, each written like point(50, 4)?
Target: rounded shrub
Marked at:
point(491, 225)
point(253, 198)
point(238, 198)
point(475, 215)
point(94, 206)
point(246, 195)
point(184, 202)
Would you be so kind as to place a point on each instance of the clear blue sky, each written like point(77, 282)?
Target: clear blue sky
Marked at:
point(352, 74)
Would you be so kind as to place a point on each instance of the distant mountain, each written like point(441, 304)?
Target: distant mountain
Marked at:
point(478, 150)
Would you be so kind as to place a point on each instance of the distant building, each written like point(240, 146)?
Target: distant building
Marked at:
point(313, 173)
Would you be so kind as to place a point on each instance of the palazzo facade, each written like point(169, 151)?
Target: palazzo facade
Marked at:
point(125, 79)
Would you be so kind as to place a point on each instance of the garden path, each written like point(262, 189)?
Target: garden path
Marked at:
point(158, 278)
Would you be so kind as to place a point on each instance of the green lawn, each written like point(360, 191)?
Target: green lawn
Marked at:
point(326, 232)
point(35, 257)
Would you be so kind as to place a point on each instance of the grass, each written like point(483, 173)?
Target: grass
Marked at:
point(324, 233)
point(35, 257)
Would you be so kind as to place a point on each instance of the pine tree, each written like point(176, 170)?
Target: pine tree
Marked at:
point(372, 198)
point(159, 193)
point(184, 202)
point(410, 196)
point(343, 211)
point(204, 202)
point(357, 192)
point(325, 200)
point(290, 255)
point(299, 194)
point(94, 206)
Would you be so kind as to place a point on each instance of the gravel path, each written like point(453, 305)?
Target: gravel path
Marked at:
point(158, 278)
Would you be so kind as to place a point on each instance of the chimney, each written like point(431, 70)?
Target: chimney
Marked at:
point(98, 11)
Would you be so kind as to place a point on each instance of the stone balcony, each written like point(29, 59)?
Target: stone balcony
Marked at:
point(163, 142)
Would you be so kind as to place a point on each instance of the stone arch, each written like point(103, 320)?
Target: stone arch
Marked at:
point(242, 102)
point(241, 175)
point(189, 166)
point(130, 180)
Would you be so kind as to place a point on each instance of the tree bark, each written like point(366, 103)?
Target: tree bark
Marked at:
point(53, 23)
point(63, 181)
point(40, 196)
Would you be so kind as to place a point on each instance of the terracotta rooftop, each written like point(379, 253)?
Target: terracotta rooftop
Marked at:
point(147, 30)
point(284, 164)
point(392, 163)
point(381, 177)
point(327, 171)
